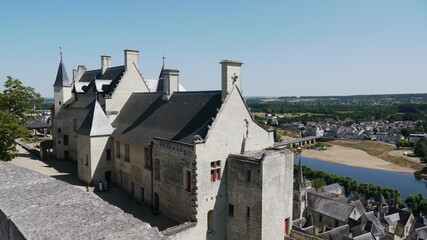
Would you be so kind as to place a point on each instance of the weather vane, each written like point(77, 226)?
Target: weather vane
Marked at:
point(60, 52)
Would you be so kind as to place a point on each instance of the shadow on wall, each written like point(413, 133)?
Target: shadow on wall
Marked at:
point(216, 218)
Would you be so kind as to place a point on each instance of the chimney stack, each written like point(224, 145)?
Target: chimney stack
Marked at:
point(105, 63)
point(230, 76)
point(131, 56)
point(170, 82)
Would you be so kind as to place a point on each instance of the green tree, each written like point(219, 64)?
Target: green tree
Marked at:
point(318, 182)
point(406, 132)
point(417, 203)
point(421, 148)
point(276, 136)
point(15, 108)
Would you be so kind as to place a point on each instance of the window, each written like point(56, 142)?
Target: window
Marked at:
point(127, 153)
point(108, 154)
point(210, 221)
point(60, 103)
point(74, 124)
point(66, 155)
point(231, 209)
point(65, 140)
point(148, 159)
point(87, 159)
point(157, 169)
point(117, 149)
point(320, 218)
point(188, 180)
point(59, 130)
point(215, 171)
point(248, 212)
point(248, 175)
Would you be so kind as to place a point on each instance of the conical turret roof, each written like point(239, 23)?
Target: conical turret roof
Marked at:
point(61, 76)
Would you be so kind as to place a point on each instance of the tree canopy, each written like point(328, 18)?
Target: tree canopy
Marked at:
point(15, 111)
point(421, 148)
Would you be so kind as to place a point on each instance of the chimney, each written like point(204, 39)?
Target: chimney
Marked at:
point(105, 63)
point(131, 56)
point(170, 82)
point(230, 76)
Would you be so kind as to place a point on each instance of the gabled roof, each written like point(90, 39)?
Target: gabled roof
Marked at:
point(337, 233)
point(392, 219)
point(359, 206)
point(146, 116)
point(380, 199)
point(95, 123)
point(61, 76)
point(328, 207)
point(403, 215)
point(366, 236)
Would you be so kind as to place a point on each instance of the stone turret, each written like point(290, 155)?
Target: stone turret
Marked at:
point(300, 194)
point(61, 87)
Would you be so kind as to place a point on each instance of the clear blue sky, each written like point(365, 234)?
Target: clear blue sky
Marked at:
point(289, 48)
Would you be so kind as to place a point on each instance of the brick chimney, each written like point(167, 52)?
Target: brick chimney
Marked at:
point(131, 56)
point(105, 63)
point(230, 76)
point(170, 82)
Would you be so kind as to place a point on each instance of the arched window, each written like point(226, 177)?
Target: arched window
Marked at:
point(210, 221)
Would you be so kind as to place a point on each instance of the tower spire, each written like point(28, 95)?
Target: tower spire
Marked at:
point(299, 183)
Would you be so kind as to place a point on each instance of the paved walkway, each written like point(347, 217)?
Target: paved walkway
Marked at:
point(67, 171)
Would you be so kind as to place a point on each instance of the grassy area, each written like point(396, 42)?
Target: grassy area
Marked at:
point(380, 150)
point(286, 134)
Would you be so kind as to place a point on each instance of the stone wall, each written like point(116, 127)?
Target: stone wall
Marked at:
point(34, 206)
point(226, 136)
point(64, 120)
point(244, 193)
point(171, 162)
point(259, 186)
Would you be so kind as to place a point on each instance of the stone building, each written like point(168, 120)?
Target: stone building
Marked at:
point(194, 156)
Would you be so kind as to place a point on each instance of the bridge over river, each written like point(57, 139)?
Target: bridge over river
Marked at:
point(298, 142)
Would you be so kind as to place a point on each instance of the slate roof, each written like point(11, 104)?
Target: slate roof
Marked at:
point(392, 219)
point(332, 188)
point(366, 236)
point(403, 215)
point(373, 224)
point(329, 207)
point(61, 76)
point(95, 123)
point(37, 124)
point(380, 199)
point(421, 232)
point(180, 118)
point(359, 206)
point(338, 233)
point(89, 76)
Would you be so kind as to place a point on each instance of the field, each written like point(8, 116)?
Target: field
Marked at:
point(380, 150)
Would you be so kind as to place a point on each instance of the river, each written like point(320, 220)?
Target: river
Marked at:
point(404, 182)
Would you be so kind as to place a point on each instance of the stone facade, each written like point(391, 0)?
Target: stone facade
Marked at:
point(188, 169)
